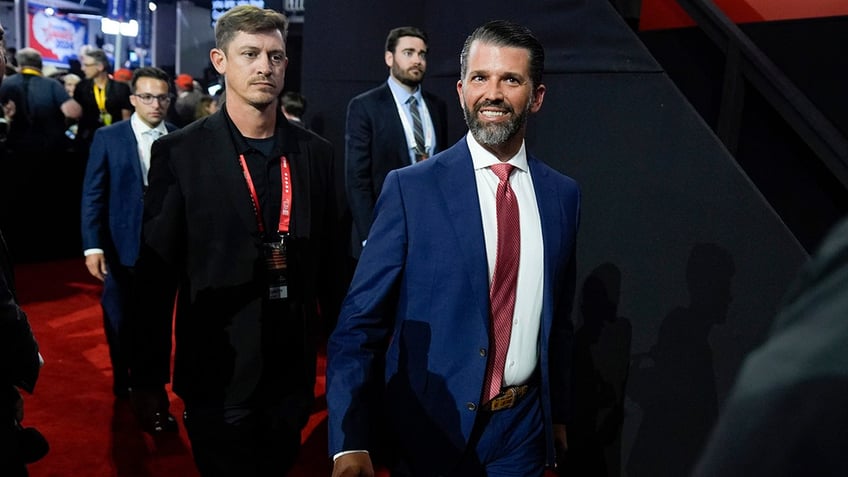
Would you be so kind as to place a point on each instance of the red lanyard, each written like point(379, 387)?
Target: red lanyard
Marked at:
point(285, 195)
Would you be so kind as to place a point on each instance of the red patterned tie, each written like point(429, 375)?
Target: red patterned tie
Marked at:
point(502, 292)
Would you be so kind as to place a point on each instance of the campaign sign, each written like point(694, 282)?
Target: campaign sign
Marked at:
point(57, 37)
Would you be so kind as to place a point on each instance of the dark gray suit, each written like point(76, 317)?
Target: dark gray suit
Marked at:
point(375, 144)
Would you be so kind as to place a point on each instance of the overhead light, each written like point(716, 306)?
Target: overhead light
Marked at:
point(152, 6)
point(49, 11)
point(112, 27)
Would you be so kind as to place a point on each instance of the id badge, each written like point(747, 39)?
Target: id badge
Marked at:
point(276, 268)
point(106, 119)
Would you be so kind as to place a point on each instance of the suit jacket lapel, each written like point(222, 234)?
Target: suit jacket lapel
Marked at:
point(133, 157)
point(459, 191)
point(550, 217)
point(394, 127)
point(436, 120)
point(301, 183)
point(223, 158)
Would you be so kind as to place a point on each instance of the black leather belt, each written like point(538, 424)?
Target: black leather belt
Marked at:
point(508, 398)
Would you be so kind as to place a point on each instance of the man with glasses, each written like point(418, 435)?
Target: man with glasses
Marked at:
point(115, 180)
point(104, 101)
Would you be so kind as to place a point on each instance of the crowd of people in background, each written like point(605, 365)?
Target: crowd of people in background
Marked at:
point(47, 124)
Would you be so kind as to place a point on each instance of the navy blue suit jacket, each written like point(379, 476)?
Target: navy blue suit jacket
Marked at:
point(113, 193)
point(414, 327)
point(375, 144)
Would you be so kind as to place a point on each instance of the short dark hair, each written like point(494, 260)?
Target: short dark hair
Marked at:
point(294, 103)
point(29, 57)
point(99, 56)
point(149, 72)
point(249, 19)
point(396, 33)
point(506, 33)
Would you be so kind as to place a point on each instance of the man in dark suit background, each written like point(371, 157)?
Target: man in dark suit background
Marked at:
point(456, 328)
point(38, 161)
point(237, 218)
point(379, 134)
point(113, 191)
point(20, 361)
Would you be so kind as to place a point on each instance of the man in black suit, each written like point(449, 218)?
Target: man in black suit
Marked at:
point(236, 219)
point(380, 129)
point(19, 361)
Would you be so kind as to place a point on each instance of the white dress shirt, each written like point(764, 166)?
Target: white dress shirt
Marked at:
point(144, 139)
point(144, 136)
point(401, 97)
point(523, 352)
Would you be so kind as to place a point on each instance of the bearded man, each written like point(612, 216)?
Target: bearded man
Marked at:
point(391, 126)
point(456, 329)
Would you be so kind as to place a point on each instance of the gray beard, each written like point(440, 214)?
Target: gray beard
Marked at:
point(494, 134)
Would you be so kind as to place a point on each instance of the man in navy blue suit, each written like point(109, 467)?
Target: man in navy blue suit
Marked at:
point(380, 128)
point(115, 179)
point(456, 329)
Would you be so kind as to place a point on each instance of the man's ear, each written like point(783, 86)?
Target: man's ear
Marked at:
point(219, 60)
point(390, 58)
point(538, 97)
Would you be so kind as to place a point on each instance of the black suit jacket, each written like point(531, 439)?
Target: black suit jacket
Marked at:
point(200, 237)
point(375, 144)
point(19, 363)
point(117, 100)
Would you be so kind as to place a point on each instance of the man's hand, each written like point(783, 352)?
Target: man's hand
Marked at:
point(96, 264)
point(9, 110)
point(151, 409)
point(355, 464)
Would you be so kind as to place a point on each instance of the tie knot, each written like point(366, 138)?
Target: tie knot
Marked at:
point(154, 133)
point(412, 101)
point(502, 170)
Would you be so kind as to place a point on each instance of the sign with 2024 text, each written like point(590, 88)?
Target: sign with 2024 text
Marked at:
point(57, 37)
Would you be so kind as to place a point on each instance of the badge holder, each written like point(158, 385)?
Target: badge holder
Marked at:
point(276, 267)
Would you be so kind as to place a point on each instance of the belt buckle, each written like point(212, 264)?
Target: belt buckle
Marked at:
point(504, 402)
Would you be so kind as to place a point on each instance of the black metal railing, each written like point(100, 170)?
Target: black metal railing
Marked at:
point(745, 61)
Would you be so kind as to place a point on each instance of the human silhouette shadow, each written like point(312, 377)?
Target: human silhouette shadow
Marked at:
point(674, 383)
point(409, 393)
point(601, 366)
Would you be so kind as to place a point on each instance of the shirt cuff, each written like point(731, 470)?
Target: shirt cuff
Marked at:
point(92, 251)
point(335, 457)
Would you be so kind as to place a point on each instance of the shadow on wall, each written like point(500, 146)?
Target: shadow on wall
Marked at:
point(601, 365)
point(674, 383)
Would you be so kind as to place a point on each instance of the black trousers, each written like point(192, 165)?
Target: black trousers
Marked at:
point(254, 444)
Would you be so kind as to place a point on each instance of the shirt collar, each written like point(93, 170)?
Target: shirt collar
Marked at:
point(481, 158)
point(141, 128)
point(400, 93)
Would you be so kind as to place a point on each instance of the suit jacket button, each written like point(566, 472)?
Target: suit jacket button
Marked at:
point(483, 352)
point(471, 406)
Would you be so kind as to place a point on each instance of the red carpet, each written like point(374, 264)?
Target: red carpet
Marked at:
point(90, 433)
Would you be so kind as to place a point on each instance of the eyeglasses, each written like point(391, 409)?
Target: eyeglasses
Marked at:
point(148, 98)
point(89, 65)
